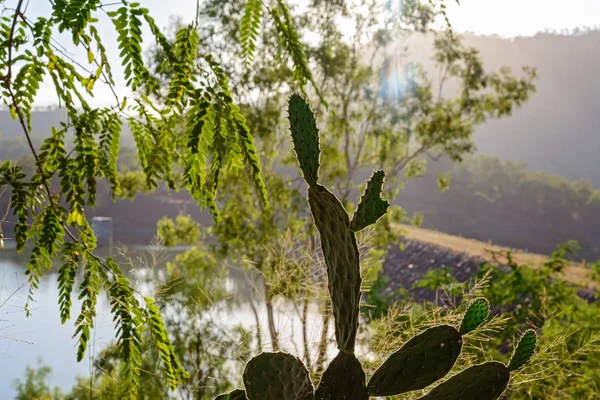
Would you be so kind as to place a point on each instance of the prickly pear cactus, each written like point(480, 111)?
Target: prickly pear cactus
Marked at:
point(277, 376)
point(305, 135)
point(422, 360)
point(523, 351)
point(477, 313)
point(484, 381)
point(427, 357)
point(338, 241)
point(237, 394)
point(488, 380)
point(344, 378)
point(371, 206)
point(340, 251)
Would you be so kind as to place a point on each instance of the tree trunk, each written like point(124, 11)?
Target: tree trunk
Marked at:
point(271, 318)
point(257, 319)
point(323, 342)
point(305, 333)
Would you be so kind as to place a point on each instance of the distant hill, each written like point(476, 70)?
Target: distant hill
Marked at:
point(41, 122)
point(558, 130)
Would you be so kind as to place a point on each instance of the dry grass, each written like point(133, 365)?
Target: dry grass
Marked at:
point(575, 273)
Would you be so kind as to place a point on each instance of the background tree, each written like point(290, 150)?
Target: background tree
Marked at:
point(190, 134)
point(380, 112)
point(54, 221)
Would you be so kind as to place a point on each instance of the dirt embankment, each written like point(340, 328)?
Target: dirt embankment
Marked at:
point(425, 250)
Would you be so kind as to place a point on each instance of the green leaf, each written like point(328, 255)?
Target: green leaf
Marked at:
point(249, 27)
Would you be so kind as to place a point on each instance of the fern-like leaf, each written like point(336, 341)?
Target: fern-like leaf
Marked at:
point(174, 370)
point(249, 28)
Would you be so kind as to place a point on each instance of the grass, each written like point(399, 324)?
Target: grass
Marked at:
point(575, 272)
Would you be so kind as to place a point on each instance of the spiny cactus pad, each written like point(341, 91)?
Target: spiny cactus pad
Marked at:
point(305, 135)
point(420, 362)
point(344, 378)
point(340, 251)
point(371, 206)
point(237, 394)
point(477, 313)
point(277, 376)
point(523, 351)
point(480, 382)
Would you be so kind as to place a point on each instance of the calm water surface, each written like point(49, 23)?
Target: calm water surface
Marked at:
point(25, 340)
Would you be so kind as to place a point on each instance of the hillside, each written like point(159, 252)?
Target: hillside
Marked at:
point(470, 249)
point(557, 130)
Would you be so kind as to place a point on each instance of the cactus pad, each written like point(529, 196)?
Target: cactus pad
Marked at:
point(237, 394)
point(524, 350)
point(371, 206)
point(277, 376)
point(421, 361)
point(477, 313)
point(340, 251)
point(305, 135)
point(480, 382)
point(344, 378)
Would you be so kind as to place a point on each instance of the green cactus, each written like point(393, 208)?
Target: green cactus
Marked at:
point(371, 206)
point(523, 351)
point(488, 380)
point(427, 357)
point(422, 360)
point(344, 378)
point(477, 313)
point(305, 135)
point(340, 251)
point(483, 381)
point(277, 376)
point(237, 394)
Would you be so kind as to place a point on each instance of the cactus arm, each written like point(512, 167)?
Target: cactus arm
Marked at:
point(338, 242)
point(422, 360)
point(371, 206)
point(341, 255)
point(277, 376)
point(305, 135)
point(524, 350)
point(344, 378)
point(477, 313)
point(237, 394)
point(480, 382)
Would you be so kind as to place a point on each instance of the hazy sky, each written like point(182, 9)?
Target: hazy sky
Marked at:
point(522, 17)
point(501, 17)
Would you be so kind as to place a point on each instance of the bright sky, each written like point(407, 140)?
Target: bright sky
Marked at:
point(522, 17)
point(502, 17)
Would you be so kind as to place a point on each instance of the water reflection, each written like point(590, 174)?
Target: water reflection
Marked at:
point(23, 340)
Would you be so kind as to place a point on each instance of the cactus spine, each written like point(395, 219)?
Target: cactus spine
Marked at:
point(422, 360)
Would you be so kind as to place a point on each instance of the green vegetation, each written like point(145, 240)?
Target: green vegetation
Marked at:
point(423, 360)
point(503, 201)
point(207, 116)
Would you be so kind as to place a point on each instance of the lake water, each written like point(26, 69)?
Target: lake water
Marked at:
point(25, 340)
